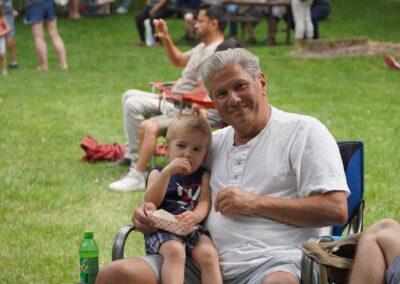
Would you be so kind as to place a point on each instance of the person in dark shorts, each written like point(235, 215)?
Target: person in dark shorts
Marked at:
point(41, 14)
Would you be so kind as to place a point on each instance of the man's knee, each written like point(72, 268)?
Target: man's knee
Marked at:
point(280, 277)
point(127, 271)
point(149, 128)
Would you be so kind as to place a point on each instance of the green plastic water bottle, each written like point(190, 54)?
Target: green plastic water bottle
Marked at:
point(89, 259)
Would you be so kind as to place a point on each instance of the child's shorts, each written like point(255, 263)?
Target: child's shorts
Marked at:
point(42, 12)
point(155, 240)
point(2, 46)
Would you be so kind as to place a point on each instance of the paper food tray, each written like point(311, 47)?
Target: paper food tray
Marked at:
point(170, 226)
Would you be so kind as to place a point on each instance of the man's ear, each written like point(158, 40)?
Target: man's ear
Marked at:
point(263, 82)
point(215, 24)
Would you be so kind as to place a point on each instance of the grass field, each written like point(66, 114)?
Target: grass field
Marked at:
point(48, 197)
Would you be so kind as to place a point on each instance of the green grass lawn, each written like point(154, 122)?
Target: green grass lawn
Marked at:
point(48, 197)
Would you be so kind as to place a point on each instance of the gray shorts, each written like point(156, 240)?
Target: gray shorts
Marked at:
point(252, 276)
point(392, 274)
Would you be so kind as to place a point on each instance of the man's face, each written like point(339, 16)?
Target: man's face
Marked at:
point(239, 99)
point(203, 25)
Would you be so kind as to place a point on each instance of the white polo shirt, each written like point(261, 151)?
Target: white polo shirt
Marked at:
point(292, 157)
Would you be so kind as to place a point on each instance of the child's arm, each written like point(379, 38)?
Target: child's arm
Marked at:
point(157, 182)
point(192, 218)
point(6, 27)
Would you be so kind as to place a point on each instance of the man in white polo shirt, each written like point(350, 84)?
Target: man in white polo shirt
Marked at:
point(277, 179)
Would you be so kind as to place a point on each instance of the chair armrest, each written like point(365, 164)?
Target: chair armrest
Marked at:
point(119, 241)
point(308, 266)
point(356, 223)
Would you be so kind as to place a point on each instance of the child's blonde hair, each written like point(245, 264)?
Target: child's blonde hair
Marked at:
point(188, 123)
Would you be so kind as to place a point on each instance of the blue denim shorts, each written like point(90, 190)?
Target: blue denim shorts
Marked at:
point(41, 12)
point(10, 19)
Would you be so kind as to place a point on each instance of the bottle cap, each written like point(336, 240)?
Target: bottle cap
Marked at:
point(88, 235)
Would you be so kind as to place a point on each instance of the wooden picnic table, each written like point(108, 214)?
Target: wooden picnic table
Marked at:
point(269, 3)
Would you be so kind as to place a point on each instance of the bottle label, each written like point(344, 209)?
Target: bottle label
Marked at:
point(89, 269)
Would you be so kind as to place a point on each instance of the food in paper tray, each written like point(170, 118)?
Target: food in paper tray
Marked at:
point(166, 221)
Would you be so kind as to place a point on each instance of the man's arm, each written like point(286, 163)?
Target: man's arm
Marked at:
point(177, 57)
point(318, 210)
point(141, 219)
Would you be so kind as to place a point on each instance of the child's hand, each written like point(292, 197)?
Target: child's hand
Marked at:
point(179, 166)
point(189, 218)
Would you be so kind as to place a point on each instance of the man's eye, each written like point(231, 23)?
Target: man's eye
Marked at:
point(240, 86)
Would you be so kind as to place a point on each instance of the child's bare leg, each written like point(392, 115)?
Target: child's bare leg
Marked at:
point(206, 256)
point(173, 268)
point(3, 61)
point(40, 45)
point(58, 43)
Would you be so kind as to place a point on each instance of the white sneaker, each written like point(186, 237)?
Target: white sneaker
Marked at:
point(121, 10)
point(133, 181)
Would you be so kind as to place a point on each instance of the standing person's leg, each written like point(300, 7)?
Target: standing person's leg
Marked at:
point(377, 249)
point(3, 59)
point(232, 11)
point(58, 43)
point(40, 45)
point(308, 22)
point(10, 39)
point(73, 10)
point(299, 24)
point(319, 12)
point(140, 17)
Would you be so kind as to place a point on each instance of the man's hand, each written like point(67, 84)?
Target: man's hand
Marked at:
point(178, 166)
point(161, 29)
point(141, 219)
point(235, 200)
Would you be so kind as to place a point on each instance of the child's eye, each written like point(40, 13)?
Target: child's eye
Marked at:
point(220, 95)
point(180, 145)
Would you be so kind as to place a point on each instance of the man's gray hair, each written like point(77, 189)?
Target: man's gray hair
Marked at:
point(219, 60)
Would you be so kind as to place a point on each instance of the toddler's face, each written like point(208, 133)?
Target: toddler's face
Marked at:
point(192, 146)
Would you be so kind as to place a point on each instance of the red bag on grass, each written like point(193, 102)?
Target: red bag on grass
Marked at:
point(97, 152)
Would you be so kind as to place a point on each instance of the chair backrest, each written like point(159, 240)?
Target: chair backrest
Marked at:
point(352, 153)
